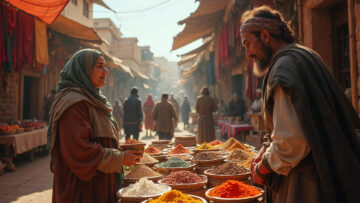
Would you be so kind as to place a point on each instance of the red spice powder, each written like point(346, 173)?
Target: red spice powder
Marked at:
point(180, 177)
point(179, 149)
point(133, 141)
point(234, 189)
point(152, 150)
point(215, 142)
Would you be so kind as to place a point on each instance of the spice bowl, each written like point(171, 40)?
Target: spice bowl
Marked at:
point(187, 186)
point(150, 164)
point(193, 196)
point(138, 147)
point(137, 199)
point(134, 180)
point(160, 142)
point(243, 176)
point(215, 180)
point(232, 200)
point(169, 170)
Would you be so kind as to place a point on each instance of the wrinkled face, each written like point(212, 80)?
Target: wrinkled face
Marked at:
point(258, 51)
point(98, 75)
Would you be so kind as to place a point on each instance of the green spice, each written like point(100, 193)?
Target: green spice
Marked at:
point(175, 162)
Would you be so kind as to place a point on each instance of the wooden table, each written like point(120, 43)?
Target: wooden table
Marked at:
point(23, 142)
point(232, 129)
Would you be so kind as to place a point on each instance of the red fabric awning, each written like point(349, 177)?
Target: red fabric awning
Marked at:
point(45, 10)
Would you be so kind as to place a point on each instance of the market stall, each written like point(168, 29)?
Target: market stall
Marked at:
point(232, 129)
point(17, 143)
point(199, 173)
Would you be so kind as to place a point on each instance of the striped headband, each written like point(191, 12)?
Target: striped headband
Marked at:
point(257, 24)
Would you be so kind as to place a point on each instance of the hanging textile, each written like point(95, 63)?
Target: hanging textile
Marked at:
point(24, 40)
point(8, 24)
point(210, 70)
point(41, 45)
point(45, 10)
point(2, 38)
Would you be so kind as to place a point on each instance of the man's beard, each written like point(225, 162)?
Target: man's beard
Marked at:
point(261, 65)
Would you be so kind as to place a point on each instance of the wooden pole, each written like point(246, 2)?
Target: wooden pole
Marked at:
point(352, 44)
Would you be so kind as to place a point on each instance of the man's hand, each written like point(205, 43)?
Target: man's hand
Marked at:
point(131, 157)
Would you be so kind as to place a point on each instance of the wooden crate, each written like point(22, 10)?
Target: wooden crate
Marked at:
point(257, 122)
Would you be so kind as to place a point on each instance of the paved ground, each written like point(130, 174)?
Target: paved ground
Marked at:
point(32, 181)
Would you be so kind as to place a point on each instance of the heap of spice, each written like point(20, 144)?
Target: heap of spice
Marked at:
point(230, 142)
point(205, 145)
point(237, 145)
point(184, 157)
point(144, 187)
point(234, 189)
point(181, 177)
point(215, 142)
point(176, 197)
point(175, 162)
point(146, 158)
point(142, 171)
point(152, 150)
point(179, 149)
point(133, 141)
point(246, 164)
point(206, 156)
point(228, 169)
point(238, 155)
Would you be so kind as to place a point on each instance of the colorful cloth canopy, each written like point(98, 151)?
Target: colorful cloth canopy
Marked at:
point(46, 11)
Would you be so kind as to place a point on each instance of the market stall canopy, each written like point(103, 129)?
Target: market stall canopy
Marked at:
point(187, 73)
point(201, 23)
point(206, 43)
point(187, 59)
point(45, 10)
point(75, 30)
point(137, 74)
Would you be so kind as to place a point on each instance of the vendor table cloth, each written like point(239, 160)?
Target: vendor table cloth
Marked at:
point(233, 129)
point(26, 141)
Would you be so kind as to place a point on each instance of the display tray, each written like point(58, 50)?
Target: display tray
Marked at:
point(161, 142)
point(156, 154)
point(193, 196)
point(168, 170)
point(209, 161)
point(139, 147)
point(188, 157)
point(150, 164)
point(206, 150)
point(187, 186)
point(243, 176)
point(137, 199)
point(134, 180)
point(232, 200)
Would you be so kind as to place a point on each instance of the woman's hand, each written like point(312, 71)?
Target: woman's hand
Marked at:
point(131, 157)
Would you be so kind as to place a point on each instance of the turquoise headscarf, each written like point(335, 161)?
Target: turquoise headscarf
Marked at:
point(77, 73)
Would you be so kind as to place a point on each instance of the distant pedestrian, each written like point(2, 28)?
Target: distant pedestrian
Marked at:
point(165, 118)
point(205, 106)
point(185, 112)
point(118, 113)
point(236, 106)
point(148, 108)
point(133, 116)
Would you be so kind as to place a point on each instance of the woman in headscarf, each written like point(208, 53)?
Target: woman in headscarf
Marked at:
point(148, 108)
point(85, 158)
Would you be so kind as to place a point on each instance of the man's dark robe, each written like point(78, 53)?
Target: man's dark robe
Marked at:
point(327, 118)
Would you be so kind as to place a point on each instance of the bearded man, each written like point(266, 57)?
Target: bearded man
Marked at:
point(313, 154)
